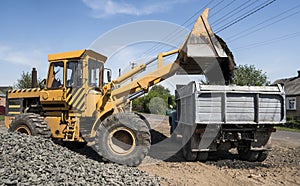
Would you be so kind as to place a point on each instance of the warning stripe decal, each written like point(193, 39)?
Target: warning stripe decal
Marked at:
point(75, 98)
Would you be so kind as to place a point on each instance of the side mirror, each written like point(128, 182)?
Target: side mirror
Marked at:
point(42, 84)
point(108, 76)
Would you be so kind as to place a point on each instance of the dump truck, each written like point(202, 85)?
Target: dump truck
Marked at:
point(211, 118)
point(74, 104)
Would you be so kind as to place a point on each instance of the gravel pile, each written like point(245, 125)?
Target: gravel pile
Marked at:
point(29, 160)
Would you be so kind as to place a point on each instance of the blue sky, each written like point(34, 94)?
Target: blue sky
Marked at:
point(32, 29)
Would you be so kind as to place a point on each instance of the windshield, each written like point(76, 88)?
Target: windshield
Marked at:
point(74, 74)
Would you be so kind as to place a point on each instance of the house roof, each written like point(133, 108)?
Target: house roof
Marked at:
point(2, 94)
point(3, 91)
point(291, 85)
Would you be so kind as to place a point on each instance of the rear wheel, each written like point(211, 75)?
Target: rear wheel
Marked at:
point(30, 124)
point(248, 155)
point(123, 138)
point(262, 156)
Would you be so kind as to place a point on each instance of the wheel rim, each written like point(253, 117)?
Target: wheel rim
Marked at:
point(122, 141)
point(23, 129)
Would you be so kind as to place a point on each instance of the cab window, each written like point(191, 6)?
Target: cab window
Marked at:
point(94, 73)
point(56, 75)
point(74, 74)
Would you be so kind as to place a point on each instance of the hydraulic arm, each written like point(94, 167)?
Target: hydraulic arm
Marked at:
point(201, 53)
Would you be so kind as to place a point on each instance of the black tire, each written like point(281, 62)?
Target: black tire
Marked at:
point(187, 138)
point(247, 154)
point(144, 119)
point(30, 124)
point(123, 138)
point(262, 156)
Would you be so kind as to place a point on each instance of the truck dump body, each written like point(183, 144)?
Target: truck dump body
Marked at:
point(218, 118)
point(213, 104)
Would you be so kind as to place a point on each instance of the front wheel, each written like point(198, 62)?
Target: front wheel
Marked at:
point(123, 138)
point(30, 124)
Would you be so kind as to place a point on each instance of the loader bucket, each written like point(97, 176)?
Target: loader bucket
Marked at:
point(203, 52)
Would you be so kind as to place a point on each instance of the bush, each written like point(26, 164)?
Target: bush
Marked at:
point(155, 102)
point(292, 122)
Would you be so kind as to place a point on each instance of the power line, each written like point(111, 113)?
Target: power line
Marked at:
point(166, 47)
point(270, 41)
point(254, 28)
point(169, 36)
point(239, 9)
point(244, 17)
point(209, 17)
point(217, 5)
point(197, 12)
point(155, 50)
point(234, 12)
point(226, 6)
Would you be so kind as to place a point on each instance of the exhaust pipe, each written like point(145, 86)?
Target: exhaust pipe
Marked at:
point(34, 78)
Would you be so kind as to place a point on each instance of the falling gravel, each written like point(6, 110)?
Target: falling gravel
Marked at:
point(30, 160)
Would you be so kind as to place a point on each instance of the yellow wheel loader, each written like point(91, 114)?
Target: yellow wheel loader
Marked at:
point(74, 104)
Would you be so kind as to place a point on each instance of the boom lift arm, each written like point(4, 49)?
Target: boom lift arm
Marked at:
point(202, 53)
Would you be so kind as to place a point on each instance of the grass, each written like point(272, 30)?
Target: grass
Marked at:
point(287, 129)
point(1, 118)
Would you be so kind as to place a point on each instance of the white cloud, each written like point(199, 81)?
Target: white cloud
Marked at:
point(15, 55)
point(17, 59)
point(105, 8)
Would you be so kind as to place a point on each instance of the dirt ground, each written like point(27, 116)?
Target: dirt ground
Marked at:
point(280, 168)
point(166, 161)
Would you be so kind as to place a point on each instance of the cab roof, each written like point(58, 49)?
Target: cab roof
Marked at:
point(75, 55)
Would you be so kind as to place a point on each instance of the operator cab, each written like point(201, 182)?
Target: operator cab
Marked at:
point(78, 69)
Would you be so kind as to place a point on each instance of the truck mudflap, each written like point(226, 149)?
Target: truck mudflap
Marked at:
point(262, 139)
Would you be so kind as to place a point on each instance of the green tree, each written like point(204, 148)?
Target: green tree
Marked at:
point(156, 101)
point(24, 81)
point(250, 76)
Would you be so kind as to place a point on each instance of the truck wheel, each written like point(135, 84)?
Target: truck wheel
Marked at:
point(187, 141)
point(262, 156)
point(123, 138)
point(247, 154)
point(30, 124)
